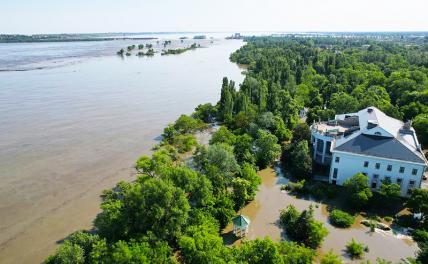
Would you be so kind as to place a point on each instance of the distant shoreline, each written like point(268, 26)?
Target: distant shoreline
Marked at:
point(35, 40)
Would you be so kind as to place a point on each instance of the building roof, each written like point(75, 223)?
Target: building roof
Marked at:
point(241, 221)
point(380, 135)
point(384, 147)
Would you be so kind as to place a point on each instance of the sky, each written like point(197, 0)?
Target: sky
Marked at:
point(88, 16)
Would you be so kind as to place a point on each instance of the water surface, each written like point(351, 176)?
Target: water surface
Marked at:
point(69, 132)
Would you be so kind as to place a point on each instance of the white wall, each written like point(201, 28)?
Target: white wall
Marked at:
point(351, 164)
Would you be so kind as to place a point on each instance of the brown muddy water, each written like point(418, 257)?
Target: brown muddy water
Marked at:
point(270, 200)
point(69, 132)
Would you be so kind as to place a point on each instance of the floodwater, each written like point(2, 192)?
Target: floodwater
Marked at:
point(69, 132)
point(270, 200)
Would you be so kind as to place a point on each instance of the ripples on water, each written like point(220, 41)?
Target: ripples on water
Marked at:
point(69, 132)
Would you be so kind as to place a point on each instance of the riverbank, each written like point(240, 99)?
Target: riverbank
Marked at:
point(270, 200)
point(73, 131)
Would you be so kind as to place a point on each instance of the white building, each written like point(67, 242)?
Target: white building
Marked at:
point(372, 143)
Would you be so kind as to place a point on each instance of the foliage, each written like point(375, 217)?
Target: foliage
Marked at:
point(358, 189)
point(260, 251)
point(148, 205)
point(223, 135)
point(187, 124)
point(331, 258)
point(355, 249)
point(300, 159)
point(420, 123)
point(205, 112)
point(295, 187)
point(302, 227)
point(341, 219)
point(267, 149)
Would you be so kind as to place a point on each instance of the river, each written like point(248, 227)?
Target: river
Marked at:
point(73, 119)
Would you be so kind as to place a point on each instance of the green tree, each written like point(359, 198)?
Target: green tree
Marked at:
point(420, 123)
point(266, 148)
point(243, 149)
point(223, 135)
point(302, 227)
point(355, 249)
point(150, 205)
point(301, 160)
point(200, 245)
point(67, 253)
point(358, 190)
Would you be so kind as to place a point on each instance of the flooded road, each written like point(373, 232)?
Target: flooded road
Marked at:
point(270, 200)
point(69, 132)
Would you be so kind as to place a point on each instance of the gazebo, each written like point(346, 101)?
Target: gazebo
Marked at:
point(241, 224)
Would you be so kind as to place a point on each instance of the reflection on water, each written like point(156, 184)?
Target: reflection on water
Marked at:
point(69, 132)
point(270, 200)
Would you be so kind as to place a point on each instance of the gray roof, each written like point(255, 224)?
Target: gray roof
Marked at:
point(384, 147)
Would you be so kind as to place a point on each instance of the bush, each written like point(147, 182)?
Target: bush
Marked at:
point(294, 187)
point(331, 258)
point(420, 236)
point(358, 190)
point(341, 219)
point(302, 227)
point(388, 218)
point(355, 249)
point(185, 143)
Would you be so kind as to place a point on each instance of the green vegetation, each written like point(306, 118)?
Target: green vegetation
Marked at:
point(302, 227)
point(175, 209)
point(355, 249)
point(180, 50)
point(341, 219)
point(331, 258)
point(359, 192)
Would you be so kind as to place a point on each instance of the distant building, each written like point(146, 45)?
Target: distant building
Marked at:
point(372, 143)
point(241, 225)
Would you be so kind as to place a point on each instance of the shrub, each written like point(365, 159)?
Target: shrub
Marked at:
point(420, 236)
point(295, 187)
point(302, 227)
point(388, 218)
point(341, 219)
point(358, 190)
point(355, 249)
point(331, 258)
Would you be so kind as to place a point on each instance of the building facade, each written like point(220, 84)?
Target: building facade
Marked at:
point(372, 143)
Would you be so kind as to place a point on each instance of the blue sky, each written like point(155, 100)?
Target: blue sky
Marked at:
point(68, 16)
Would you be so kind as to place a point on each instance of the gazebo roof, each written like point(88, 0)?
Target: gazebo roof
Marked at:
point(241, 221)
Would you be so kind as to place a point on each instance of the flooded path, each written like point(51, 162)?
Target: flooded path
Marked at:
point(270, 200)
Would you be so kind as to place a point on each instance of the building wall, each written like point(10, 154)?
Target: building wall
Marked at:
point(351, 164)
point(321, 146)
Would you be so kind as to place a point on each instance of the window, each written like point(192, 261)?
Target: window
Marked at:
point(366, 164)
point(414, 171)
point(387, 179)
point(377, 166)
point(376, 176)
point(374, 185)
point(337, 159)
point(412, 182)
point(365, 173)
point(389, 168)
point(335, 173)
point(401, 169)
point(378, 134)
point(399, 181)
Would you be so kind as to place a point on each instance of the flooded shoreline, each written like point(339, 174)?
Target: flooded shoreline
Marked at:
point(70, 132)
point(270, 200)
